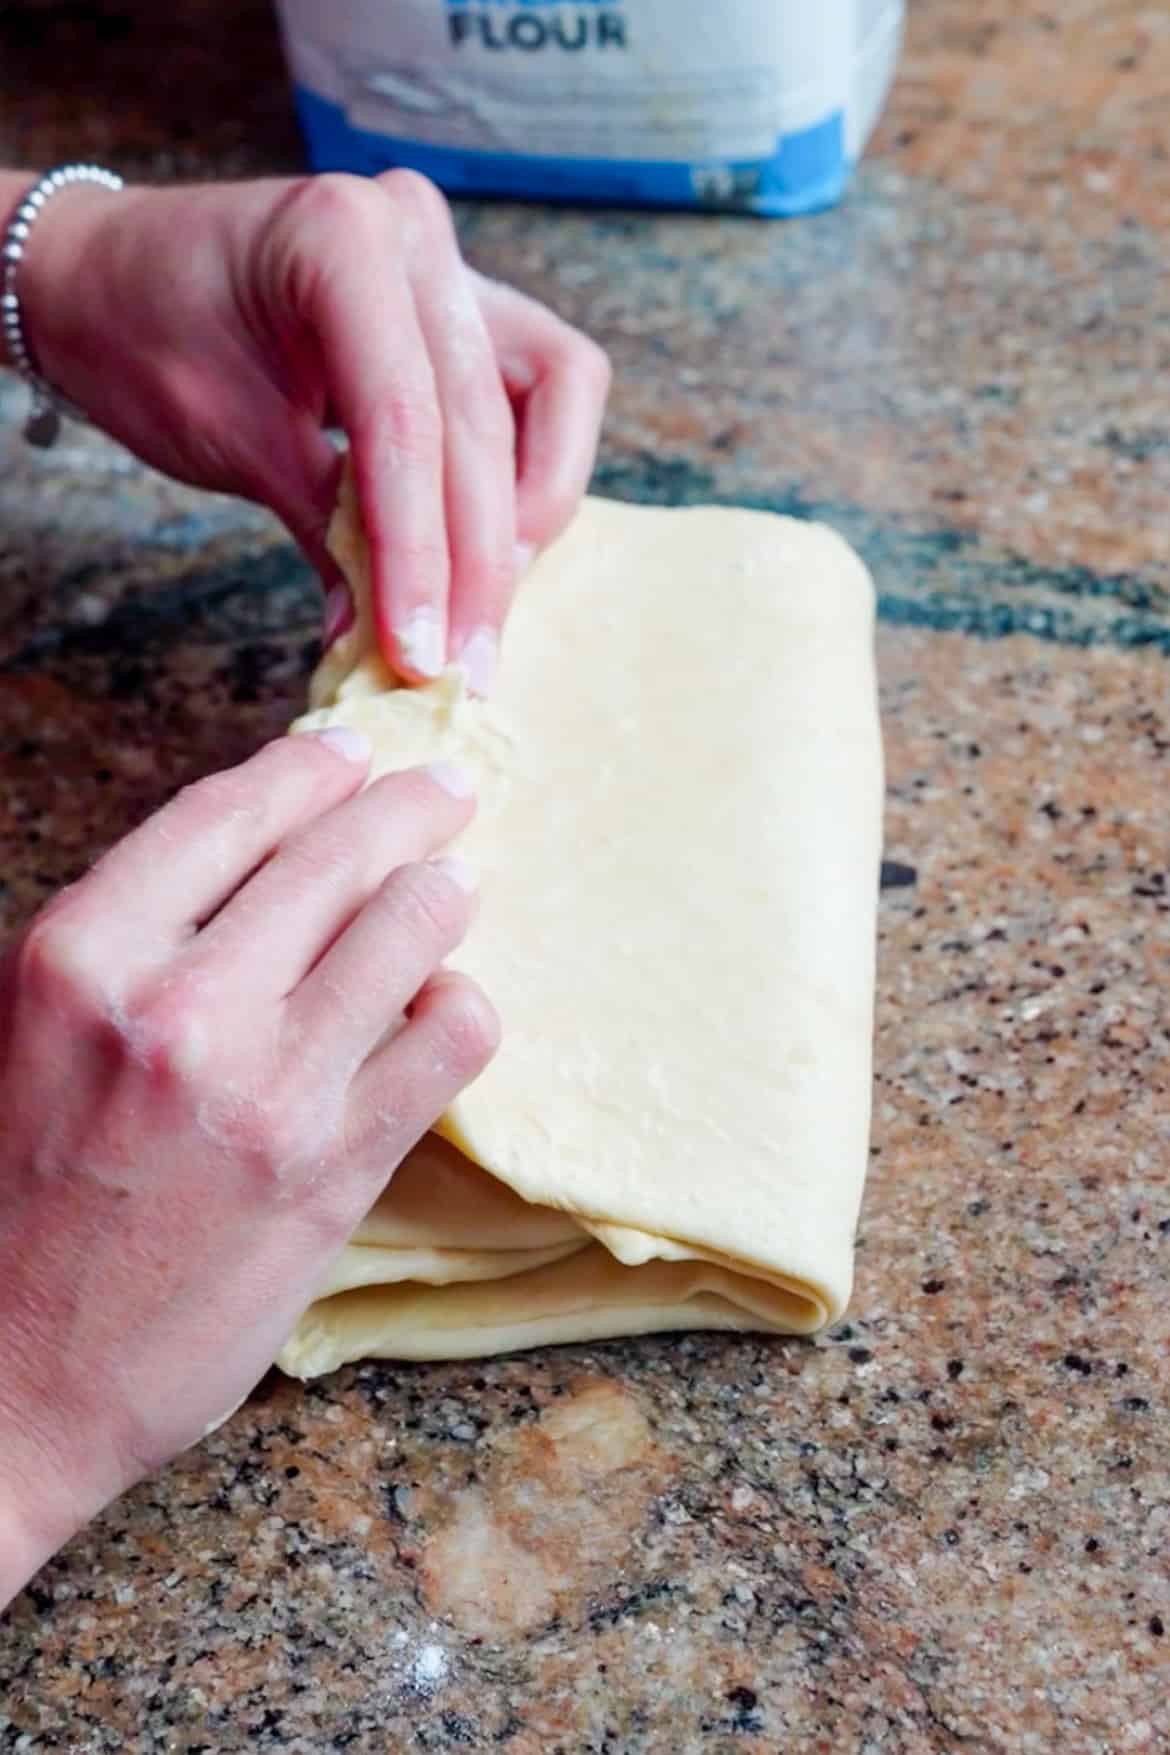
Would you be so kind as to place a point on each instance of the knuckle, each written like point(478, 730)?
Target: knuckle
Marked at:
point(419, 198)
point(170, 1033)
point(215, 797)
point(422, 905)
point(558, 503)
point(593, 360)
point(484, 409)
point(269, 1121)
point(576, 357)
point(315, 857)
point(53, 956)
point(402, 425)
point(466, 1028)
point(335, 199)
point(488, 571)
point(266, 1137)
point(570, 352)
point(276, 1137)
point(422, 569)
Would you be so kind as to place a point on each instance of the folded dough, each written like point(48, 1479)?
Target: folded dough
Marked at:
point(678, 839)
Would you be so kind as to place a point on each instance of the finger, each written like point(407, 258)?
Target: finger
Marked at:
point(338, 613)
point(264, 943)
point(183, 864)
point(450, 1036)
point(558, 381)
point(359, 990)
point(383, 389)
point(479, 479)
point(297, 476)
point(478, 449)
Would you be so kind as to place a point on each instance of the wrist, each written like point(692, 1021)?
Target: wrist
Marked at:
point(48, 1490)
point(59, 284)
point(34, 1520)
point(22, 1554)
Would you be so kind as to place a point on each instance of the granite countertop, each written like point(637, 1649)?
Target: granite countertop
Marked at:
point(945, 1525)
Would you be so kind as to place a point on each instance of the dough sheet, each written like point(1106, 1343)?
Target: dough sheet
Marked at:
point(678, 841)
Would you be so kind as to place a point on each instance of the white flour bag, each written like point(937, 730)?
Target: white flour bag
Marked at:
point(760, 106)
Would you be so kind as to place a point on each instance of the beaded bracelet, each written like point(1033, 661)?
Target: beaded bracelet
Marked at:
point(44, 417)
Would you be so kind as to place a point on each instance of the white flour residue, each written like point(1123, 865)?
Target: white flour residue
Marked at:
point(427, 1665)
point(429, 1669)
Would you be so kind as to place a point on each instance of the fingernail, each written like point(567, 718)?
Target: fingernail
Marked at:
point(479, 658)
point(420, 643)
point(338, 614)
point(355, 746)
point(452, 777)
point(525, 555)
point(463, 875)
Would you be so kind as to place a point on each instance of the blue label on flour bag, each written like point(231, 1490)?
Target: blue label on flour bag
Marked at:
point(755, 105)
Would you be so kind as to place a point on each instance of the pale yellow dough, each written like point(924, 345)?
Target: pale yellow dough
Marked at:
point(678, 840)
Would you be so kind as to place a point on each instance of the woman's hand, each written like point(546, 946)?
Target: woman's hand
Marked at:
point(214, 1050)
point(215, 331)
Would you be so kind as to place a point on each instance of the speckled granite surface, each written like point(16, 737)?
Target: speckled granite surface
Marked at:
point(946, 1525)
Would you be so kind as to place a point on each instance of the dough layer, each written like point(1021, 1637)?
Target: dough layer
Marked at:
point(678, 838)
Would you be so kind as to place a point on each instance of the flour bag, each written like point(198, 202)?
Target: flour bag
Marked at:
point(757, 106)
